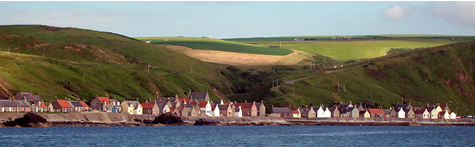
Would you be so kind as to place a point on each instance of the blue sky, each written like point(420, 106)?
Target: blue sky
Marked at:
point(225, 19)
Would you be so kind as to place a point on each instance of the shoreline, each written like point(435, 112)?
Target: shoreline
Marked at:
point(103, 119)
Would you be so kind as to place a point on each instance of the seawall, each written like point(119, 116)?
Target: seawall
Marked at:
point(118, 119)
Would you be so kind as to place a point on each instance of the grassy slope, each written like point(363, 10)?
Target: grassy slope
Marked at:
point(113, 64)
point(216, 44)
point(438, 75)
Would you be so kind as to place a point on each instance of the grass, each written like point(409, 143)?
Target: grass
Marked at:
point(113, 64)
point(435, 75)
point(218, 45)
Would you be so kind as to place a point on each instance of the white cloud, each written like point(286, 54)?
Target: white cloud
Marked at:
point(397, 12)
point(456, 12)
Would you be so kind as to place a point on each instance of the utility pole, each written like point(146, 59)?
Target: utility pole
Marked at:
point(371, 94)
point(280, 46)
point(169, 65)
point(191, 69)
point(8, 48)
point(44, 49)
point(84, 76)
point(344, 88)
point(148, 69)
point(338, 85)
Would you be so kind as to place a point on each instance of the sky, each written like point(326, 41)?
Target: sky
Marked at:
point(245, 19)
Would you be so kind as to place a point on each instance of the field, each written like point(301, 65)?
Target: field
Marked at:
point(218, 45)
point(242, 59)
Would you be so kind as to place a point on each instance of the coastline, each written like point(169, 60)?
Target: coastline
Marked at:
point(103, 119)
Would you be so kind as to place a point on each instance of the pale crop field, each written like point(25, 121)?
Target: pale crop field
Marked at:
point(241, 59)
point(360, 49)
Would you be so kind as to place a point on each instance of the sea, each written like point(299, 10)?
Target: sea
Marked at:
point(240, 136)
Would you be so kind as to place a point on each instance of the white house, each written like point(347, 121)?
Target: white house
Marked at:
point(453, 115)
point(131, 107)
point(216, 111)
point(320, 112)
point(328, 113)
point(238, 111)
point(208, 109)
point(401, 113)
point(434, 114)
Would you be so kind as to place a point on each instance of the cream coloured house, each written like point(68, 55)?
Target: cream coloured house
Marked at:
point(131, 107)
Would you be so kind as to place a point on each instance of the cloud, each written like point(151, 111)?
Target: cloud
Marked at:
point(457, 12)
point(397, 12)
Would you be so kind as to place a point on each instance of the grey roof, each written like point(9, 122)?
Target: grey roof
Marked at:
point(237, 109)
point(281, 110)
point(349, 109)
point(258, 104)
point(197, 95)
point(29, 97)
point(7, 103)
point(161, 107)
point(22, 103)
point(216, 102)
point(77, 104)
point(223, 107)
point(134, 104)
point(398, 106)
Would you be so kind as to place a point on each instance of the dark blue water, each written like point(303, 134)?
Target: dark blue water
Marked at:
point(239, 136)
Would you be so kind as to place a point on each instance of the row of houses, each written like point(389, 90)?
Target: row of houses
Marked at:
point(352, 110)
point(196, 104)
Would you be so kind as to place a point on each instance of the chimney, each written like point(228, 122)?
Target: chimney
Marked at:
point(350, 102)
point(245, 101)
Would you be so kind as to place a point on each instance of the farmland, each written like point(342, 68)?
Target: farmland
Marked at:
point(218, 45)
point(361, 47)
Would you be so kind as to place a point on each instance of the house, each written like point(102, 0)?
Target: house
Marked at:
point(226, 110)
point(366, 114)
point(334, 112)
point(308, 112)
point(201, 107)
point(453, 115)
point(186, 110)
point(343, 107)
point(403, 106)
point(79, 106)
point(163, 107)
point(422, 113)
point(199, 96)
point(150, 108)
point(444, 115)
point(401, 113)
point(35, 101)
point(327, 113)
point(284, 112)
point(101, 103)
point(434, 112)
point(296, 113)
point(320, 112)
point(62, 106)
point(22, 105)
point(391, 112)
point(131, 107)
point(261, 109)
point(49, 107)
point(247, 108)
point(376, 113)
point(7, 105)
point(208, 109)
point(216, 111)
point(185, 100)
point(115, 106)
point(351, 112)
point(410, 113)
point(238, 111)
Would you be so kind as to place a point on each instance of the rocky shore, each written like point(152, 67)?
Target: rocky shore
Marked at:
point(102, 119)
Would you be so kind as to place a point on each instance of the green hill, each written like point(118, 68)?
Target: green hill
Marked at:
point(216, 44)
point(436, 75)
point(85, 63)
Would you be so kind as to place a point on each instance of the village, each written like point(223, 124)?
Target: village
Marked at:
point(199, 104)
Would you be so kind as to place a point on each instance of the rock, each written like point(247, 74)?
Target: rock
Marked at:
point(30, 119)
point(168, 118)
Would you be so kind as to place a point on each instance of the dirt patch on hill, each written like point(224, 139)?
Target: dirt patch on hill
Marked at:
point(4, 88)
point(241, 59)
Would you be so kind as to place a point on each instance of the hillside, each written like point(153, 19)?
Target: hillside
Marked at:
point(85, 63)
point(441, 74)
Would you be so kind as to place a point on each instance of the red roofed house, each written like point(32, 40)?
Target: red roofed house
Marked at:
point(62, 106)
point(101, 103)
point(185, 100)
point(376, 112)
point(204, 107)
point(150, 108)
point(248, 109)
point(296, 113)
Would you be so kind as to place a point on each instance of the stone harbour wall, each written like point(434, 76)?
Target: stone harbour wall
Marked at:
point(118, 118)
